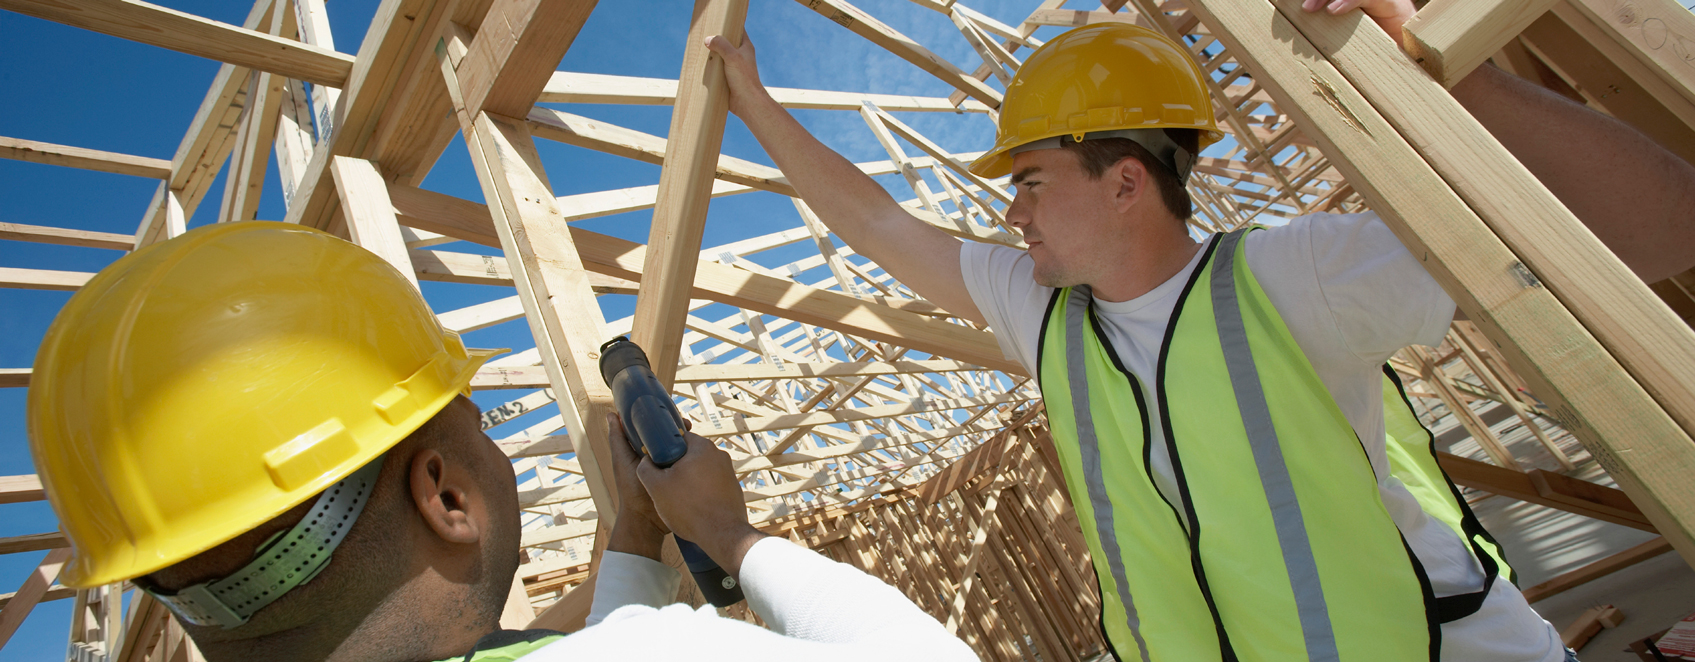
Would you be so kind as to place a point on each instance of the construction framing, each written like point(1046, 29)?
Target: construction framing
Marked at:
point(865, 422)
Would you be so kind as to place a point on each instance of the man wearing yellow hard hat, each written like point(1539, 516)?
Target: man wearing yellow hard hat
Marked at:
point(265, 428)
point(1220, 406)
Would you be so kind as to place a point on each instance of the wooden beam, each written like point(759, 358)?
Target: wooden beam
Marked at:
point(1658, 33)
point(941, 156)
point(986, 524)
point(574, 87)
point(1548, 489)
point(515, 52)
point(568, 614)
point(558, 302)
point(369, 214)
point(1597, 569)
point(55, 592)
point(42, 279)
point(1586, 387)
point(65, 236)
point(1450, 38)
point(1075, 18)
point(719, 372)
point(244, 182)
point(414, 125)
point(612, 139)
point(482, 315)
point(194, 35)
point(1611, 79)
point(862, 24)
point(1589, 624)
point(866, 444)
point(207, 143)
point(34, 588)
point(685, 186)
point(20, 489)
point(1605, 296)
point(87, 159)
point(860, 316)
point(489, 378)
point(472, 269)
point(396, 38)
point(34, 542)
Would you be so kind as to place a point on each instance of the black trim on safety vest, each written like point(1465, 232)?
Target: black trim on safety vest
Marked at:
point(1042, 338)
point(1433, 625)
point(1227, 652)
point(1101, 621)
point(1455, 607)
point(1141, 405)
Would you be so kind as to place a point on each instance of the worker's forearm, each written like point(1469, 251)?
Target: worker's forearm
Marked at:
point(847, 200)
point(1638, 198)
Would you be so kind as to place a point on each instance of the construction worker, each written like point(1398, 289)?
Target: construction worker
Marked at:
point(264, 427)
point(1218, 406)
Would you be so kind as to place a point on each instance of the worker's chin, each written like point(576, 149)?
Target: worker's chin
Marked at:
point(1052, 276)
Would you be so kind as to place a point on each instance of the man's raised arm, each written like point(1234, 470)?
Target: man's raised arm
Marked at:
point(847, 200)
point(1637, 197)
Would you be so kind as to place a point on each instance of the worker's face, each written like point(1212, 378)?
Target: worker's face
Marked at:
point(1069, 219)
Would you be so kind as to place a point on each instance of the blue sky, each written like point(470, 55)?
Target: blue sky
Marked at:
point(74, 87)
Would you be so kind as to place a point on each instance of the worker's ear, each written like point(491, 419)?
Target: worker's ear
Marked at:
point(1132, 180)
point(442, 493)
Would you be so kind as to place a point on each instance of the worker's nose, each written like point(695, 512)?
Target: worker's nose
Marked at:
point(1018, 213)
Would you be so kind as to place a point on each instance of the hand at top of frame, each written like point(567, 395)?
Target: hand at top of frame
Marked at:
point(741, 71)
point(1389, 14)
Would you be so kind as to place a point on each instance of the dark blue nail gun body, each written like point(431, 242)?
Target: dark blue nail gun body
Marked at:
point(654, 426)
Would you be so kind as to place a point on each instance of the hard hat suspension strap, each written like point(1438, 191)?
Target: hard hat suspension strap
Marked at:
point(281, 564)
point(1179, 160)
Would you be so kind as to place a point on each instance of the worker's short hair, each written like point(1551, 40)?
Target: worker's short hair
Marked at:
point(1098, 155)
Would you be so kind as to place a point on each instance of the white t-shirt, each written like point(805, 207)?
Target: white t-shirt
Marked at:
point(817, 609)
point(1351, 296)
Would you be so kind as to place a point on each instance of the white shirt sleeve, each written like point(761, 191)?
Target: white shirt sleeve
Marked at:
point(1002, 283)
point(628, 579)
point(1347, 283)
point(816, 607)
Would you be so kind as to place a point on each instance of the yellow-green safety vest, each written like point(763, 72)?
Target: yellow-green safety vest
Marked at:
point(508, 645)
point(1412, 459)
point(1277, 546)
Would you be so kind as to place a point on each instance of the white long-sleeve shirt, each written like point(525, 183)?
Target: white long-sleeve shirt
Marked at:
point(816, 608)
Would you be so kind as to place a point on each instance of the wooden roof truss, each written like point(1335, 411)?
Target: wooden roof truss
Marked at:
point(837, 390)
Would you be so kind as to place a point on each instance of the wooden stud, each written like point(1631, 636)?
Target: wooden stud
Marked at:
point(187, 33)
point(1450, 38)
point(369, 213)
point(87, 159)
point(18, 608)
point(679, 217)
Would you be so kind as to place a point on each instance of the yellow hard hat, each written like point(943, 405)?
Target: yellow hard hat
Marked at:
point(1111, 80)
point(200, 387)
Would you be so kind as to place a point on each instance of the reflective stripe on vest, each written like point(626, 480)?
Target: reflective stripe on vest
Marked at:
point(1277, 537)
